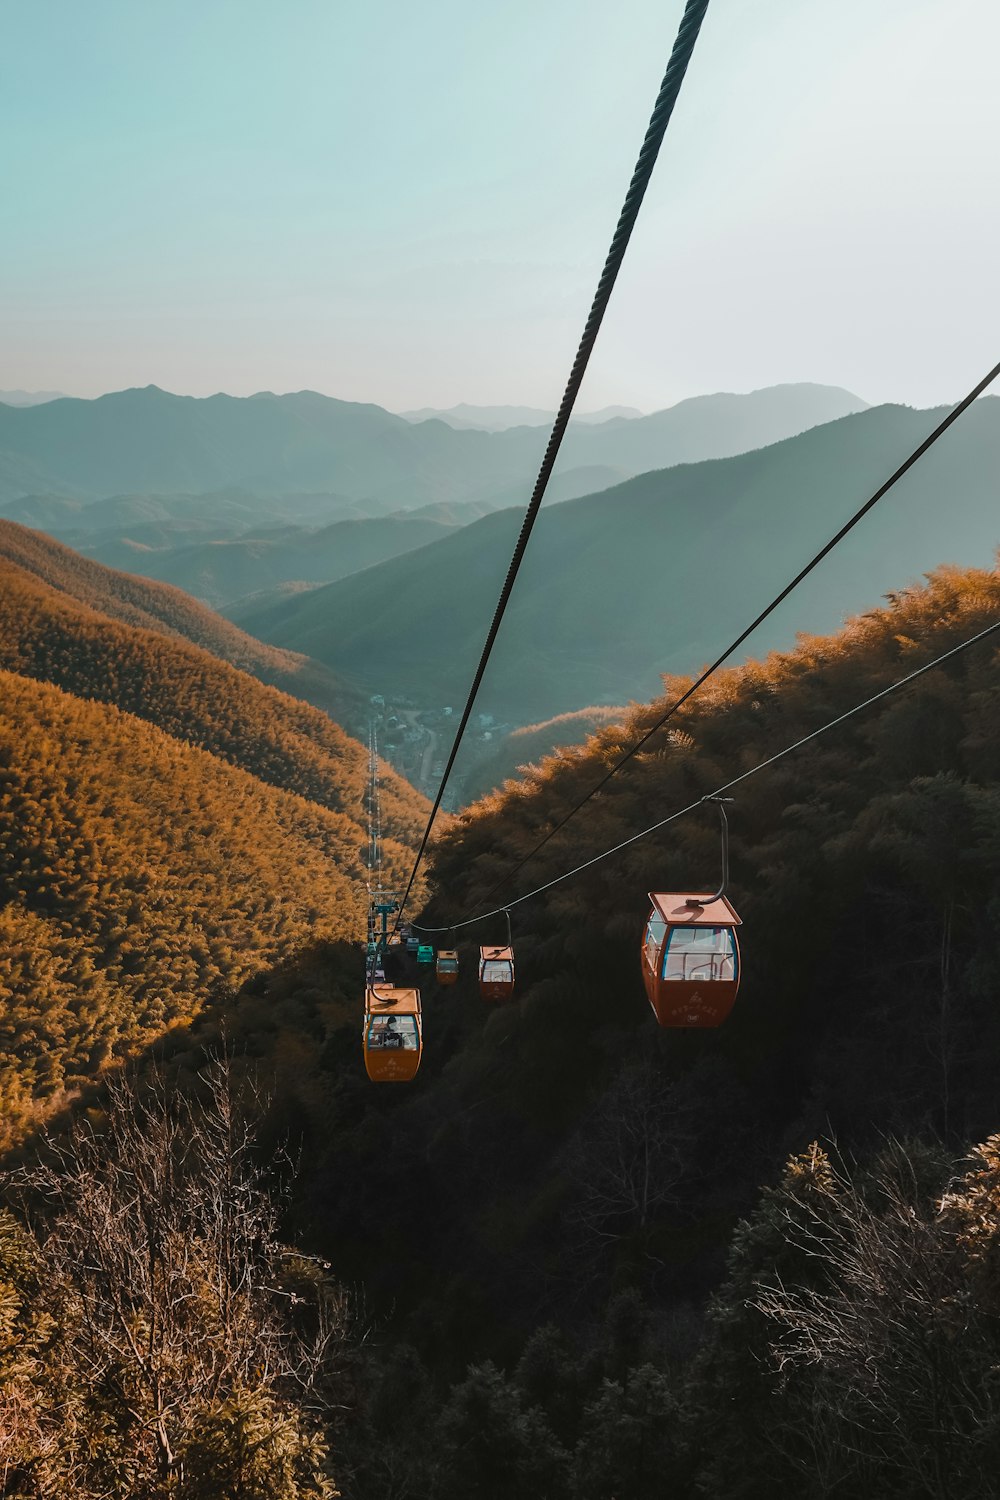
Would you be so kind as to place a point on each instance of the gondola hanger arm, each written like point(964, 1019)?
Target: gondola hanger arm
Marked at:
point(724, 822)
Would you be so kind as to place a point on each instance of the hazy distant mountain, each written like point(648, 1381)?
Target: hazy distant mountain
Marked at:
point(151, 442)
point(710, 427)
point(221, 571)
point(499, 418)
point(659, 573)
point(165, 521)
point(69, 516)
point(565, 484)
point(459, 513)
point(29, 398)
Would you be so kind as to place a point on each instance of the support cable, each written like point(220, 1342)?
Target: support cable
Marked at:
point(727, 786)
point(377, 784)
point(374, 858)
point(687, 35)
point(708, 672)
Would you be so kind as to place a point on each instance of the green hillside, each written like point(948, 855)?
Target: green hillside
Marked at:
point(660, 573)
point(224, 570)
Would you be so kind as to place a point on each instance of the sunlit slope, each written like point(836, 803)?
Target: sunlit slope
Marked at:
point(531, 744)
point(661, 572)
point(162, 608)
point(567, 1130)
point(137, 876)
point(150, 440)
point(190, 694)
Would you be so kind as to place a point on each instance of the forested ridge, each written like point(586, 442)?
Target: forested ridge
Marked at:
point(191, 695)
point(169, 827)
point(161, 607)
point(526, 746)
point(139, 875)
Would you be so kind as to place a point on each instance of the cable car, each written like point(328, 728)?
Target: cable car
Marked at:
point(496, 973)
point(412, 944)
point(690, 953)
point(393, 1034)
point(447, 966)
point(425, 953)
point(691, 959)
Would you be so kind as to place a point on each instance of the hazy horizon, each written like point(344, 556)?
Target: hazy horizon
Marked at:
point(580, 411)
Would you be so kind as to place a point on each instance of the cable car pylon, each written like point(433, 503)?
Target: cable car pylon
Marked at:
point(392, 1030)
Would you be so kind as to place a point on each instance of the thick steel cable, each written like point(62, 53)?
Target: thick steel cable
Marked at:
point(377, 783)
point(814, 562)
point(687, 35)
point(726, 787)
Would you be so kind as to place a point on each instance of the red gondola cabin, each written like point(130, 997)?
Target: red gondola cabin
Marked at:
point(691, 959)
point(496, 973)
point(392, 1036)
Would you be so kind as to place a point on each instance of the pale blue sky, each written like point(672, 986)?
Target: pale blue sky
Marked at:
point(410, 204)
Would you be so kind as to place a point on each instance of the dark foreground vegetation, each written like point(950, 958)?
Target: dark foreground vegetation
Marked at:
point(584, 1257)
point(158, 1338)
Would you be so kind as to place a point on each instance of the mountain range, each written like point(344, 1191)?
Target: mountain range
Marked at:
point(29, 398)
point(657, 574)
point(340, 487)
point(150, 441)
point(499, 418)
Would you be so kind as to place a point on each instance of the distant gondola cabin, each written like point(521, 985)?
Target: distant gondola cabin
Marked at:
point(496, 973)
point(447, 966)
point(691, 959)
point(425, 954)
point(393, 1034)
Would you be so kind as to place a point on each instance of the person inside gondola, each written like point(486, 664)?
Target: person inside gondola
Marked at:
point(390, 1036)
